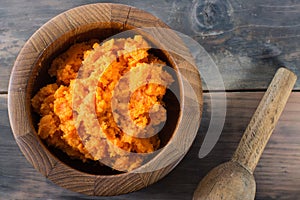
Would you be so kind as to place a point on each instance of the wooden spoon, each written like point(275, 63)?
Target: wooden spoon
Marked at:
point(234, 179)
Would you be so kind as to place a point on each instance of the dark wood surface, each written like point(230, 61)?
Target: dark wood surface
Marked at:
point(248, 40)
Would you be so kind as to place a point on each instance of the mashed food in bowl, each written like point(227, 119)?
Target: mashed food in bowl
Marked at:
point(77, 133)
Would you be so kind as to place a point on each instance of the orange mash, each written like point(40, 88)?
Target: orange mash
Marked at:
point(85, 136)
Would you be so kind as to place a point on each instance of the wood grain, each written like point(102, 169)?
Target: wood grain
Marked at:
point(264, 120)
point(228, 181)
point(29, 74)
point(234, 179)
point(254, 39)
point(240, 106)
point(277, 174)
point(248, 46)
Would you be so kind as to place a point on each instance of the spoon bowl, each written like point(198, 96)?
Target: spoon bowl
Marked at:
point(229, 176)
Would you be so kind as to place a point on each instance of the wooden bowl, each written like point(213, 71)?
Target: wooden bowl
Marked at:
point(29, 74)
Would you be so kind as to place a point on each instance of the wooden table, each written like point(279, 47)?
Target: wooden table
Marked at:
point(248, 41)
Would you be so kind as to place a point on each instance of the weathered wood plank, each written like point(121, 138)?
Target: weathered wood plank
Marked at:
point(248, 40)
point(18, 179)
point(277, 167)
point(277, 174)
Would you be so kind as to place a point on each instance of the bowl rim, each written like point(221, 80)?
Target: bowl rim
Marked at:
point(30, 144)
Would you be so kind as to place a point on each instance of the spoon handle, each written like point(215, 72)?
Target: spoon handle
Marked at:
point(264, 120)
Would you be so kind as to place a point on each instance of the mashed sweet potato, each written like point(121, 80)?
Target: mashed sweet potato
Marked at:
point(87, 112)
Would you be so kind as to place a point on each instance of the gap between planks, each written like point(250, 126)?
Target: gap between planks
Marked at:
point(209, 91)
